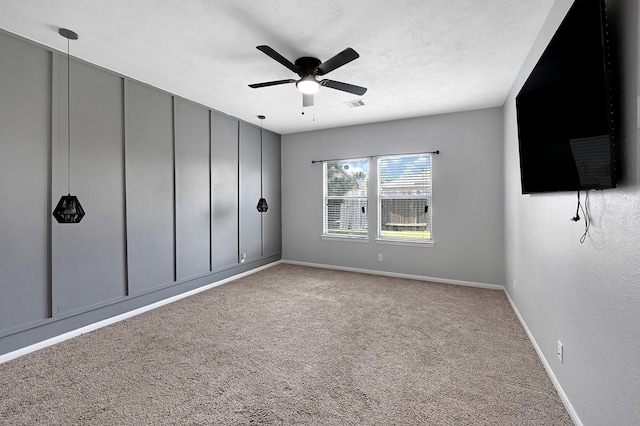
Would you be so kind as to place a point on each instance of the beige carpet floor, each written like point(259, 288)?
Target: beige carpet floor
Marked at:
point(295, 345)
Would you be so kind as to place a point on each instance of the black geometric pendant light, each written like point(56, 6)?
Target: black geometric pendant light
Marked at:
point(68, 209)
point(262, 203)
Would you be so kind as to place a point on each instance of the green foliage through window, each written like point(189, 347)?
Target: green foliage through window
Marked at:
point(345, 197)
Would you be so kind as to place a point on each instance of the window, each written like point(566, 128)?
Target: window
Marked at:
point(345, 198)
point(404, 198)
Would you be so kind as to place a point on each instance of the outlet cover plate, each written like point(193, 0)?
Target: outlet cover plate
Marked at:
point(560, 351)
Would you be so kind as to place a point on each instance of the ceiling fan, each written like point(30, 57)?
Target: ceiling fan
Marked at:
point(308, 68)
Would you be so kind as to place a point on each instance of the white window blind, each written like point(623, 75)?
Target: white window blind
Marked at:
point(404, 198)
point(345, 198)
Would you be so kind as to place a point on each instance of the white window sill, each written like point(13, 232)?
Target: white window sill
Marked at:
point(412, 243)
point(345, 238)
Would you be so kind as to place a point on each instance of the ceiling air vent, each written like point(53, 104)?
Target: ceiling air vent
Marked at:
point(355, 104)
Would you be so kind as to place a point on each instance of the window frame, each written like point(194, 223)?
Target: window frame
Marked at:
point(363, 234)
point(428, 199)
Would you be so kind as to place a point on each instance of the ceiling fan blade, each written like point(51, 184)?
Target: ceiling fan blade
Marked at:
point(307, 100)
point(278, 57)
point(344, 57)
point(271, 83)
point(345, 87)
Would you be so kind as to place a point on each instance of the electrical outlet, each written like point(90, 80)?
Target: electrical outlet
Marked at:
point(243, 257)
point(514, 285)
point(380, 257)
point(560, 351)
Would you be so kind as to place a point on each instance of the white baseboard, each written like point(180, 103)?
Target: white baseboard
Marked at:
point(82, 330)
point(397, 275)
point(547, 366)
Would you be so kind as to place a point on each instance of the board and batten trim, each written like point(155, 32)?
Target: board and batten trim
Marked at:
point(91, 327)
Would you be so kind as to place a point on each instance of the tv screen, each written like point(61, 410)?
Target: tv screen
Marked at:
point(565, 129)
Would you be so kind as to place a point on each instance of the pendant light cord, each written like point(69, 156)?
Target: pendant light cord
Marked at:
point(68, 119)
point(261, 196)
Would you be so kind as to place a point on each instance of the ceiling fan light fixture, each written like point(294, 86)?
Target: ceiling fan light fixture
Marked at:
point(308, 85)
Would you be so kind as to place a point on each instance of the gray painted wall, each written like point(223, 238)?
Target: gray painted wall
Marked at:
point(150, 188)
point(193, 188)
point(25, 162)
point(272, 181)
point(250, 218)
point(156, 174)
point(88, 259)
point(585, 295)
point(468, 191)
point(224, 196)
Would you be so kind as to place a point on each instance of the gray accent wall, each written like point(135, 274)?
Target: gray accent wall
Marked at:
point(157, 175)
point(468, 212)
point(250, 218)
point(271, 175)
point(88, 259)
point(224, 190)
point(193, 189)
point(25, 170)
point(150, 188)
point(585, 295)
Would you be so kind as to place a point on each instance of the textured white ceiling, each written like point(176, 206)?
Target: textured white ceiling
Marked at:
point(417, 57)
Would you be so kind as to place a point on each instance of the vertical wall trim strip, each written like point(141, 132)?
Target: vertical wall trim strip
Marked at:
point(238, 195)
point(210, 193)
point(53, 137)
point(125, 134)
point(175, 209)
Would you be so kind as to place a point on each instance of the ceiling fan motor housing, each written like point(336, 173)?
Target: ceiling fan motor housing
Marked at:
point(308, 66)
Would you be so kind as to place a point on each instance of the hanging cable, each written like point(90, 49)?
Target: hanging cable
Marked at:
point(584, 208)
point(262, 202)
point(261, 117)
point(577, 216)
point(587, 219)
point(68, 119)
point(68, 209)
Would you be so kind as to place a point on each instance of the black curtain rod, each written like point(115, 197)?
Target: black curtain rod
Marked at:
point(379, 155)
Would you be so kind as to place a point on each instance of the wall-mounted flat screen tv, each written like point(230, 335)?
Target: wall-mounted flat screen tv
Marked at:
point(565, 117)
